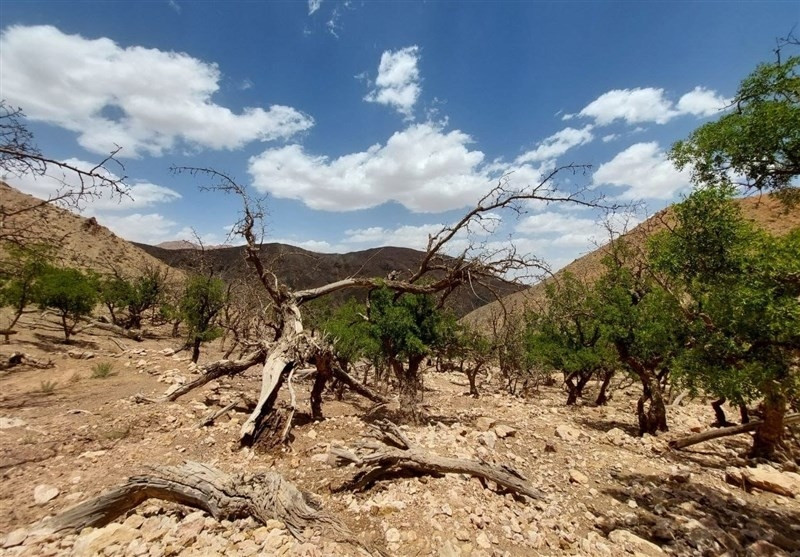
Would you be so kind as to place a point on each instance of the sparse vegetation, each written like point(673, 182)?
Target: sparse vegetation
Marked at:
point(102, 370)
point(70, 292)
point(47, 387)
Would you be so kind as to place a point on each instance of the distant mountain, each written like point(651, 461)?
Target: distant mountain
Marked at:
point(184, 244)
point(300, 268)
point(765, 211)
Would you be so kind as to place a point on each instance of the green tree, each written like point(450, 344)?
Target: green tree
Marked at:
point(351, 334)
point(406, 327)
point(115, 294)
point(146, 293)
point(203, 298)
point(21, 267)
point(644, 324)
point(756, 143)
point(740, 289)
point(568, 336)
point(70, 292)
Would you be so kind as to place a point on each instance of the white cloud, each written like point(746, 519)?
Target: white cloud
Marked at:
point(415, 237)
point(702, 102)
point(175, 6)
point(151, 228)
point(650, 104)
point(610, 137)
point(569, 229)
point(421, 167)
point(397, 84)
point(644, 170)
point(631, 105)
point(142, 194)
point(313, 6)
point(144, 100)
point(558, 144)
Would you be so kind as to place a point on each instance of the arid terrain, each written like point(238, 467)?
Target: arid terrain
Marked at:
point(604, 490)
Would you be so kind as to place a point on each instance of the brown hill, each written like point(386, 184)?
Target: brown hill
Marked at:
point(81, 242)
point(301, 268)
point(765, 211)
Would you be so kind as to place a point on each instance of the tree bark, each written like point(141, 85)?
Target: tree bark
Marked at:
point(263, 495)
point(397, 454)
point(719, 413)
point(358, 387)
point(654, 418)
point(602, 397)
point(196, 349)
point(769, 433)
point(408, 386)
point(324, 364)
point(215, 370)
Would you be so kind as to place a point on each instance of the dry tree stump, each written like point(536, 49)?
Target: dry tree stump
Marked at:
point(393, 453)
point(261, 495)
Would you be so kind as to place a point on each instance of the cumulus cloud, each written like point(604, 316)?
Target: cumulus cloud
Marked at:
point(650, 104)
point(397, 84)
point(141, 194)
point(702, 102)
point(644, 170)
point(422, 167)
point(558, 144)
point(631, 105)
point(147, 101)
point(151, 228)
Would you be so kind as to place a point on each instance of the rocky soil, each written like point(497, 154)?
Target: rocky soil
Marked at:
point(606, 491)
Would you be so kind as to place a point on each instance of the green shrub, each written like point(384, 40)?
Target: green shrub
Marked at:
point(101, 370)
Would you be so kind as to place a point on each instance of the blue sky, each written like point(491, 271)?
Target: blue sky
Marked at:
point(372, 123)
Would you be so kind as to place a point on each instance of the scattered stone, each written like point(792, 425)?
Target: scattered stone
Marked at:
point(485, 423)
point(634, 543)
point(502, 431)
point(578, 477)
point(392, 535)
point(483, 541)
point(15, 537)
point(568, 433)
point(489, 439)
point(43, 494)
point(95, 541)
point(765, 478)
point(8, 423)
point(762, 548)
point(549, 448)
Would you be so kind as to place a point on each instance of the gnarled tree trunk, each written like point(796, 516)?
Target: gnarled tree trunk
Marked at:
point(769, 434)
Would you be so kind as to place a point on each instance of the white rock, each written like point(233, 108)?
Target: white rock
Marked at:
point(635, 543)
point(44, 493)
point(93, 543)
point(392, 535)
point(483, 541)
point(7, 423)
point(765, 478)
point(504, 431)
point(578, 477)
point(15, 537)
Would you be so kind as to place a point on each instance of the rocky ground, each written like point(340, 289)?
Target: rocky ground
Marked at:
point(65, 436)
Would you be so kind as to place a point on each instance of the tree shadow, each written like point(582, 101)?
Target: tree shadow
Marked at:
point(692, 518)
point(51, 343)
point(603, 426)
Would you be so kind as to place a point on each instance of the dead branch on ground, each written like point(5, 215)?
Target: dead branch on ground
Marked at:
point(393, 453)
point(262, 495)
point(684, 442)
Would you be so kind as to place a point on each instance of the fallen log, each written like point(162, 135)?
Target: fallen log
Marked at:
point(263, 495)
point(356, 386)
point(395, 454)
point(132, 334)
point(20, 358)
point(684, 442)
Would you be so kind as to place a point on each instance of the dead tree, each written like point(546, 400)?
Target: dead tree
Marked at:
point(19, 156)
point(263, 496)
point(395, 453)
point(438, 274)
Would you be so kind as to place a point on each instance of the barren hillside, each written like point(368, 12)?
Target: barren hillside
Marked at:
point(765, 211)
point(81, 242)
